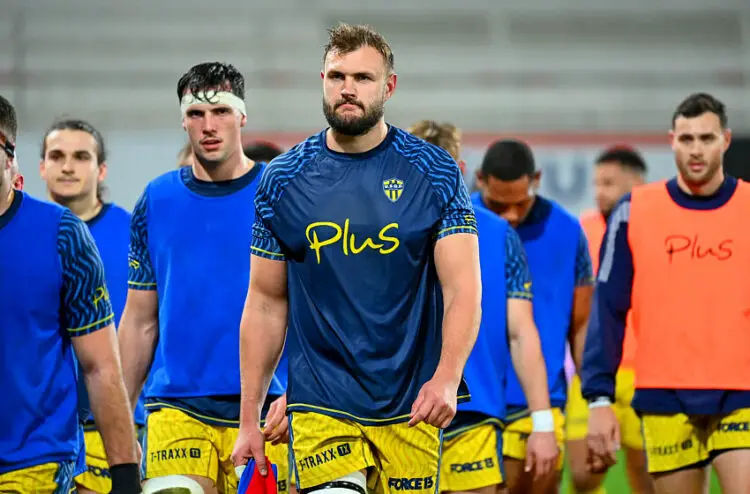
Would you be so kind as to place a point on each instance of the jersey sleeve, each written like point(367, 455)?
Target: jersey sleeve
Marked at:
point(265, 243)
point(584, 266)
point(457, 215)
point(517, 274)
point(85, 300)
point(141, 274)
point(603, 350)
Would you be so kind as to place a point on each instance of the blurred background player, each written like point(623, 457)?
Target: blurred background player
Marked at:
point(74, 166)
point(187, 278)
point(561, 272)
point(472, 451)
point(364, 233)
point(185, 156)
point(677, 254)
point(16, 177)
point(262, 151)
point(54, 304)
point(616, 172)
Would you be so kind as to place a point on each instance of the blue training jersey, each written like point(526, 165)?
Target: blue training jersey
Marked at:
point(52, 289)
point(505, 275)
point(358, 233)
point(111, 231)
point(559, 261)
point(606, 331)
point(190, 243)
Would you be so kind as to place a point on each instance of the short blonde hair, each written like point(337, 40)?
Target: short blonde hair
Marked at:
point(346, 38)
point(444, 135)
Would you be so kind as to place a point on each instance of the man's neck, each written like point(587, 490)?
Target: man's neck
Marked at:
point(704, 189)
point(234, 167)
point(6, 196)
point(85, 207)
point(357, 144)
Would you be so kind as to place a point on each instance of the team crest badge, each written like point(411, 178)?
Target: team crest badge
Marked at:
point(393, 188)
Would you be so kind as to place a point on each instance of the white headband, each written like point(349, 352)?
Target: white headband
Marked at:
point(213, 98)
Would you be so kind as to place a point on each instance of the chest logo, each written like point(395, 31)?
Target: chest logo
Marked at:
point(393, 188)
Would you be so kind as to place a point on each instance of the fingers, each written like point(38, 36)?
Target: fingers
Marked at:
point(276, 422)
point(259, 453)
point(276, 435)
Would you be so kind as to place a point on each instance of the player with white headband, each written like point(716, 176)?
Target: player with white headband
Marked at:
point(189, 271)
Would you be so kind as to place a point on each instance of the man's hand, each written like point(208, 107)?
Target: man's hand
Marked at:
point(603, 439)
point(277, 423)
point(250, 444)
point(541, 454)
point(436, 403)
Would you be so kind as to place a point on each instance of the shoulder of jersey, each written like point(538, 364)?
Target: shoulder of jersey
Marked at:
point(165, 177)
point(413, 148)
point(296, 157)
point(42, 205)
point(556, 206)
point(119, 211)
point(487, 217)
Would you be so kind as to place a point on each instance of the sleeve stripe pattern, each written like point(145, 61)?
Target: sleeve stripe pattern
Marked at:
point(619, 216)
point(280, 172)
point(517, 275)
point(141, 274)
point(85, 295)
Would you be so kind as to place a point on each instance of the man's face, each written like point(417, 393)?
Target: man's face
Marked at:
point(70, 165)
point(214, 131)
point(356, 86)
point(511, 200)
point(699, 144)
point(612, 181)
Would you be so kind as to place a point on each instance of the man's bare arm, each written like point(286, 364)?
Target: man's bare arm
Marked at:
point(262, 333)
point(138, 335)
point(582, 299)
point(457, 264)
point(526, 353)
point(100, 364)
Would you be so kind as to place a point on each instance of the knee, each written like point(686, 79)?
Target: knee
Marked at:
point(584, 481)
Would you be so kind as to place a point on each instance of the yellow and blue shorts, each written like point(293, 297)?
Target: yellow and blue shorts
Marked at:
point(679, 441)
point(399, 457)
point(47, 478)
point(178, 444)
point(472, 457)
point(577, 411)
point(96, 477)
point(518, 430)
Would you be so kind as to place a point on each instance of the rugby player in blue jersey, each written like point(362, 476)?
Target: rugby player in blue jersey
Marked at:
point(189, 269)
point(54, 308)
point(365, 246)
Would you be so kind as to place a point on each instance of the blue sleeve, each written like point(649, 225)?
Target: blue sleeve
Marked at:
point(517, 274)
point(265, 243)
point(603, 351)
point(86, 305)
point(457, 214)
point(584, 267)
point(141, 274)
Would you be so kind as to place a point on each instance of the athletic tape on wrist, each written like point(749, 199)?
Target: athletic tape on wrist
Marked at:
point(600, 402)
point(212, 98)
point(542, 421)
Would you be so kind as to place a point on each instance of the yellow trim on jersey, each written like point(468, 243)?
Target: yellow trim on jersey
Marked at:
point(136, 283)
point(89, 326)
point(461, 227)
point(262, 251)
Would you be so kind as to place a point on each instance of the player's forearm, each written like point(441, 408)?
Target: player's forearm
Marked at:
point(528, 361)
point(112, 412)
point(137, 340)
point(463, 313)
point(262, 335)
point(603, 349)
point(579, 322)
